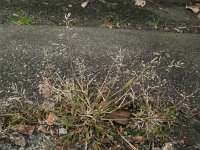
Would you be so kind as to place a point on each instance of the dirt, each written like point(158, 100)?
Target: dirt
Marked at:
point(161, 15)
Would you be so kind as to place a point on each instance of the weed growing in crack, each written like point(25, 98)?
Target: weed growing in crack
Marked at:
point(23, 18)
point(156, 23)
point(86, 111)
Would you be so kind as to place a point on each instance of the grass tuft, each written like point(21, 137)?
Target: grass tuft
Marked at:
point(97, 115)
point(22, 18)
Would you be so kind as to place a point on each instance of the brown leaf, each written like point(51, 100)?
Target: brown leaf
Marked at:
point(84, 4)
point(168, 146)
point(182, 142)
point(121, 116)
point(43, 129)
point(103, 104)
point(138, 138)
point(121, 129)
point(24, 129)
point(198, 16)
point(15, 15)
point(79, 130)
point(46, 89)
point(51, 118)
point(106, 25)
point(48, 130)
point(20, 141)
point(194, 9)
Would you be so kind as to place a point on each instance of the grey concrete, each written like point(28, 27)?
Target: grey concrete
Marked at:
point(25, 51)
point(22, 49)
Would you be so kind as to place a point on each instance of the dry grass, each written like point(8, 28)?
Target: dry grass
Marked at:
point(94, 113)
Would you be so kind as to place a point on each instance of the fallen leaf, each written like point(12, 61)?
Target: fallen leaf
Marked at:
point(84, 4)
point(103, 104)
point(198, 24)
point(182, 142)
point(43, 129)
point(107, 25)
point(15, 15)
point(168, 146)
point(121, 129)
point(24, 129)
point(47, 106)
point(141, 3)
point(178, 30)
point(48, 130)
point(51, 119)
point(121, 116)
point(194, 9)
point(198, 16)
point(20, 141)
point(45, 89)
point(79, 130)
point(138, 139)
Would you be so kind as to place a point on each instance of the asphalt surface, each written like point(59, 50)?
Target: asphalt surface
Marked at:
point(25, 52)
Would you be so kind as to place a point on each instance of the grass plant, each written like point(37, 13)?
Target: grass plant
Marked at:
point(94, 113)
point(22, 18)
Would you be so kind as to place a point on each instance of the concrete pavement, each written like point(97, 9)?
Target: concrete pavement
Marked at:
point(26, 50)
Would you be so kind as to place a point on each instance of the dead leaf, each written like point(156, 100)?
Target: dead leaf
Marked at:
point(178, 30)
point(24, 129)
point(47, 106)
point(45, 89)
point(138, 139)
point(141, 3)
point(15, 15)
point(43, 129)
point(48, 130)
point(51, 119)
point(168, 146)
point(84, 4)
point(103, 104)
point(107, 25)
point(198, 16)
point(79, 130)
point(198, 21)
point(121, 129)
point(20, 141)
point(194, 9)
point(182, 142)
point(121, 116)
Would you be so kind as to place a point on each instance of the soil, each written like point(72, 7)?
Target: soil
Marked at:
point(161, 15)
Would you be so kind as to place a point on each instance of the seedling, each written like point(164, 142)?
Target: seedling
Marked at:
point(22, 18)
point(156, 23)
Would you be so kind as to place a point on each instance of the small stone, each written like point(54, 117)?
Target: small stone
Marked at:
point(62, 131)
